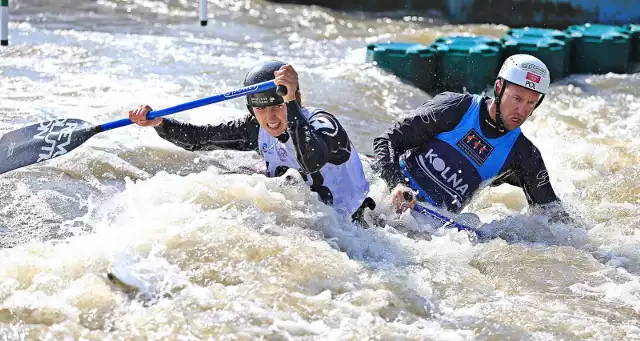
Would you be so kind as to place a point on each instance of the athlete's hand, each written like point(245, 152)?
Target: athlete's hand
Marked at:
point(402, 197)
point(139, 117)
point(288, 77)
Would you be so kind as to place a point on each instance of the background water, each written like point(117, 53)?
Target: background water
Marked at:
point(233, 255)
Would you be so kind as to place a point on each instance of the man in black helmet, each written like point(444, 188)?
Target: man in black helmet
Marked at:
point(287, 135)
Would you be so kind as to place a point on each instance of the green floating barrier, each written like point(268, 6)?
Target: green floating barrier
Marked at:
point(600, 49)
point(550, 51)
point(413, 63)
point(635, 41)
point(466, 62)
point(458, 63)
point(563, 36)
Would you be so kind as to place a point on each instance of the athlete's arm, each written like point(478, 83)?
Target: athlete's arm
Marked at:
point(241, 134)
point(442, 113)
point(319, 140)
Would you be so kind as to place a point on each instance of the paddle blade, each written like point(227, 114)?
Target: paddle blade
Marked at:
point(42, 141)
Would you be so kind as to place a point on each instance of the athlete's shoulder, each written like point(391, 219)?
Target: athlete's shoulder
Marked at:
point(323, 121)
point(444, 102)
point(312, 111)
point(449, 98)
point(444, 109)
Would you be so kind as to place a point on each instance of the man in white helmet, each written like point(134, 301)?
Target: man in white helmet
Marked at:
point(455, 144)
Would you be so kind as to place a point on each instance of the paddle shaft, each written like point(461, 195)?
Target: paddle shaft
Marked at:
point(423, 210)
point(46, 140)
point(248, 90)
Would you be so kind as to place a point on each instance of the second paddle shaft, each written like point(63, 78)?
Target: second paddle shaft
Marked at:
point(247, 90)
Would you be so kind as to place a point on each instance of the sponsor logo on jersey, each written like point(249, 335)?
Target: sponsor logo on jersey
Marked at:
point(476, 147)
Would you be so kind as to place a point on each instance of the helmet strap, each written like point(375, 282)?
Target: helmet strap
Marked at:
point(499, 124)
point(539, 101)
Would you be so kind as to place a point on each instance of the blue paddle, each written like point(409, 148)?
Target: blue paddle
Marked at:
point(47, 140)
point(426, 211)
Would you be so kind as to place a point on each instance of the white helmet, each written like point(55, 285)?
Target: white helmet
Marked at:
point(527, 71)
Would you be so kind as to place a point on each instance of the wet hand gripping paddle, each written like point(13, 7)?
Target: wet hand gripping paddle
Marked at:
point(447, 221)
point(47, 140)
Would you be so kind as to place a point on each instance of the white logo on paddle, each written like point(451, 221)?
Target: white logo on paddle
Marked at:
point(12, 147)
point(57, 135)
point(240, 92)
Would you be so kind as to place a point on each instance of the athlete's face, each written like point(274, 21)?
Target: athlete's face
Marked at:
point(516, 105)
point(273, 119)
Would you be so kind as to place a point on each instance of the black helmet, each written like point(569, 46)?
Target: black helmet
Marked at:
point(259, 73)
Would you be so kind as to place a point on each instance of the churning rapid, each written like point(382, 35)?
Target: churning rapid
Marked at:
point(228, 254)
